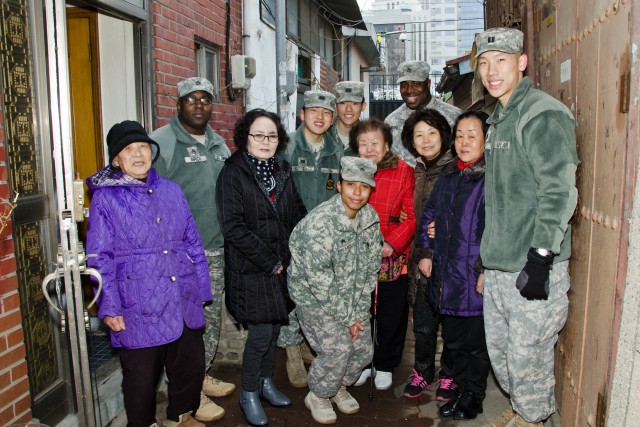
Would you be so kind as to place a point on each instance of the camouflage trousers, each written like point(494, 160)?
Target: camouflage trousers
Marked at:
point(339, 361)
point(290, 335)
point(521, 336)
point(213, 312)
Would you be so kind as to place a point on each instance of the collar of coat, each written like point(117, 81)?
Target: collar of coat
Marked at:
point(519, 93)
point(474, 172)
point(211, 139)
point(110, 176)
point(388, 161)
point(281, 172)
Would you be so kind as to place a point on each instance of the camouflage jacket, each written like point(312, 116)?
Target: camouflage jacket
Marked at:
point(335, 261)
point(397, 118)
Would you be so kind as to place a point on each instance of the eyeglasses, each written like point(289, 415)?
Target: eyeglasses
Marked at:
point(192, 100)
point(259, 137)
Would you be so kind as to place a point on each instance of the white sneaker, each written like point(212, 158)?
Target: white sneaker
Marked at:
point(364, 376)
point(345, 402)
point(383, 380)
point(321, 409)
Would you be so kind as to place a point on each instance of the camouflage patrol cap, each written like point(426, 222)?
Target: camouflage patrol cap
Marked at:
point(413, 71)
point(194, 84)
point(349, 91)
point(357, 169)
point(320, 98)
point(508, 40)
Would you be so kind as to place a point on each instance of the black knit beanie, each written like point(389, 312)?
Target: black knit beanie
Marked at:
point(125, 133)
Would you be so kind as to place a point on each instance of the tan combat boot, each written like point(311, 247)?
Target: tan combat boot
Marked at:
point(506, 418)
point(520, 422)
point(216, 388)
point(345, 402)
point(307, 353)
point(208, 411)
point(321, 409)
point(295, 368)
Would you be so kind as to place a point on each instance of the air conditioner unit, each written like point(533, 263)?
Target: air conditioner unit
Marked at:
point(243, 69)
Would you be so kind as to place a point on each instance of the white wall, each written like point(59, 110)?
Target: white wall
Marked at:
point(117, 72)
point(259, 42)
point(356, 60)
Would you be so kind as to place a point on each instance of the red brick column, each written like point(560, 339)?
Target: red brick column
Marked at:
point(175, 27)
point(15, 400)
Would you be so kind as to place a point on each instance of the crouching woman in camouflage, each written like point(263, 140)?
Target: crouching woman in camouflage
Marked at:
point(335, 258)
point(258, 207)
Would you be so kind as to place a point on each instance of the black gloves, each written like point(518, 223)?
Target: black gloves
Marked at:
point(533, 280)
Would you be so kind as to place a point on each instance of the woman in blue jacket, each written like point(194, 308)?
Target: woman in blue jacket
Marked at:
point(145, 244)
point(452, 262)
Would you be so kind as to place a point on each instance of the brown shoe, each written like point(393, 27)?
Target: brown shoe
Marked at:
point(186, 420)
point(295, 368)
point(504, 419)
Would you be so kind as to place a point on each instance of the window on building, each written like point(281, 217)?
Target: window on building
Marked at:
point(449, 10)
point(292, 18)
point(268, 12)
point(208, 65)
point(435, 61)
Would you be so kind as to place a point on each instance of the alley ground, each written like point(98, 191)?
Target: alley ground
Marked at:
point(388, 408)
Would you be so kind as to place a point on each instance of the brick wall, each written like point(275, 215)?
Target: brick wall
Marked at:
point(15, 400)
point(175, 27)
point(328, 77)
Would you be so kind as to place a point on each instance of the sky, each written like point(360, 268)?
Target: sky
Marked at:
point(362, 3)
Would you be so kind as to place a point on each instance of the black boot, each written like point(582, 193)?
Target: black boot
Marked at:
point(270, 393)
point(469, 406)
point(449, 408)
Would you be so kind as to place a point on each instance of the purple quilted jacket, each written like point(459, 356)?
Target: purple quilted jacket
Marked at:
point(145, 244)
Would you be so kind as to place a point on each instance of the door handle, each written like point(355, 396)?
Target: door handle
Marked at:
point(93, 272)
point(48, 278)
point(59, 272)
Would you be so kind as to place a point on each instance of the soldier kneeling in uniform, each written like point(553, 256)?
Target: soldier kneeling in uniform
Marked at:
point(335, 258)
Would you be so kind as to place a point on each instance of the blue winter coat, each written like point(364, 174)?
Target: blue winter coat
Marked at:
point(457, 206)
point(145, 244)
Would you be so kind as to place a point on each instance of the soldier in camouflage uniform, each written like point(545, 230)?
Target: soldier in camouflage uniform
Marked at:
point(192, 155)
point(415, 91)
point(314, 156)
point(530, 195)
point(350, 104)
point(335, 258)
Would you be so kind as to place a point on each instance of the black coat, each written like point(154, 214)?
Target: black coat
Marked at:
point(256, 239)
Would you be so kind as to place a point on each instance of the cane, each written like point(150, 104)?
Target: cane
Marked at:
point(374, 337)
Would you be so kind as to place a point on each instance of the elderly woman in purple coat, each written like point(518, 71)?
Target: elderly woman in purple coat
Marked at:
point(452, 262)
point(145, 244)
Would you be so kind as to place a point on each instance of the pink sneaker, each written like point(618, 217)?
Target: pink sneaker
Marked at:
point(446, 388)
point(416, 385)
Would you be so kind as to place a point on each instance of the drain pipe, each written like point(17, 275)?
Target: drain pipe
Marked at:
point(281, 57)
point(247, 48)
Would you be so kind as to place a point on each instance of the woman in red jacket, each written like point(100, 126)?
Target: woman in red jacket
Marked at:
point(393, 193)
